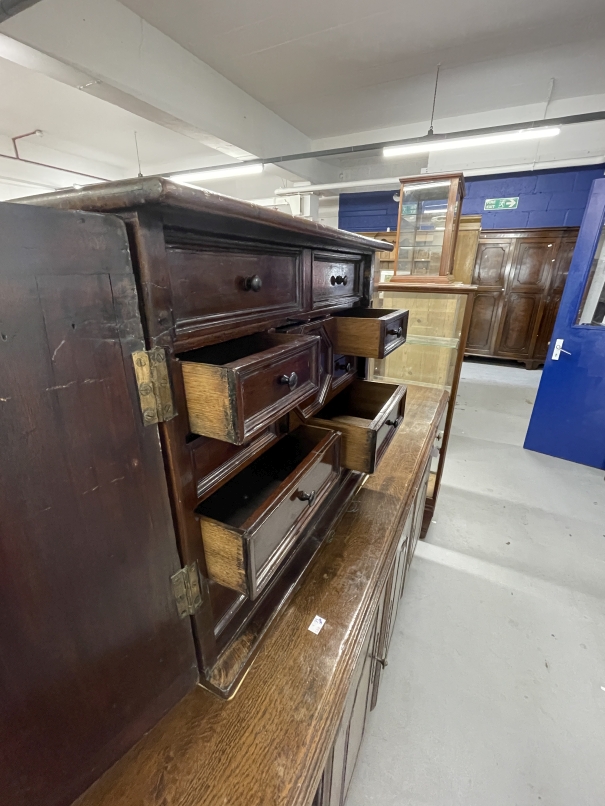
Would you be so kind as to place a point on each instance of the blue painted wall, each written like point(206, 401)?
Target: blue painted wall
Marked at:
point(555, 198)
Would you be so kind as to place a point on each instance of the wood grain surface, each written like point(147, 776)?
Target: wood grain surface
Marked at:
point(155, 190)
point(269, 744)
point(93, 650)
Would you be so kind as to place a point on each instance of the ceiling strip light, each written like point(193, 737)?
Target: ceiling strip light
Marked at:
point(438, 144)
point(218, 173)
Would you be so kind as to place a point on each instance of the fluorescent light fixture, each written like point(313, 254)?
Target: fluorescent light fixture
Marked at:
point(471, 142)
point(427, 184)
point(219, 173)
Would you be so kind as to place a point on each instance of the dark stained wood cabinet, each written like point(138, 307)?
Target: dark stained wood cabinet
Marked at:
point(93, 649)
point(155, 539)
point(528, 268)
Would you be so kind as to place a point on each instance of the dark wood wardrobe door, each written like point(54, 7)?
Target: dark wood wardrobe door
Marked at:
point(493, 257)
point(551, 307)
point(492, 260)
point(546, 326)
point(484, 322)
point(518, 321)
point(532, 264)
point(93, 650)
point(562, 263)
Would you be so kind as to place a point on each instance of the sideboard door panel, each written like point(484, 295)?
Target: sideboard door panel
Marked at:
point(94, 652)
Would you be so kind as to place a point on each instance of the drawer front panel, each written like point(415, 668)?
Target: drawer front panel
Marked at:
point(396, 331)
point(272, 534)
point(387, 430)
point(336, 281)
point(368, 332)
point(368, 415)
point(212, 289)
point(264, 388)
point(345, 369)
point(236, 400)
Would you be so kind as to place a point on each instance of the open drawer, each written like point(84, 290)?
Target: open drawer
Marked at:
point(251, 523)
point(367, 414)
point(368, 332)
point(236, 389)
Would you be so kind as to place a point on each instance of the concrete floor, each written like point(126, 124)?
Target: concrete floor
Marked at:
point(495, 690)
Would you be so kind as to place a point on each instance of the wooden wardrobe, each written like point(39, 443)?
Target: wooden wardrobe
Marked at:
point(523, 273)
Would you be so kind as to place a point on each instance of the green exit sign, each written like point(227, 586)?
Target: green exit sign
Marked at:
point(409, 209)
point(510, 203)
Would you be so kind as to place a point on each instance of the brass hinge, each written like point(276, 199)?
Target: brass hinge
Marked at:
point(153, 384)
point(186, 588)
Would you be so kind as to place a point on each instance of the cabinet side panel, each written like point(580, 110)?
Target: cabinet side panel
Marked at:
point(97, 651)
point(225, 559)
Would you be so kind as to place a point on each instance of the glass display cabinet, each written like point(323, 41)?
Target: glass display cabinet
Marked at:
point(432, 356)
point(427, 228)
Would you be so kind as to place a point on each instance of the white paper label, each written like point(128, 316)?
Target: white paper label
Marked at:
point(316, 625)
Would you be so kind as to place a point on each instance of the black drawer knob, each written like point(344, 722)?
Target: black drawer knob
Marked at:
point(347, 366)
point(339, 279)
point(291, 380)
point(310, 497)
point(394, 422)
point(253, 283)
point(395, 332)
point(383, 662)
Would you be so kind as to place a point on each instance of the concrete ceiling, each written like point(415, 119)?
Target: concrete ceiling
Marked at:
point(78, 124)
point(330, 68)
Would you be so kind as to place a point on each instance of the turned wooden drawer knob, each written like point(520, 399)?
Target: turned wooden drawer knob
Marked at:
point(253, 283)
point(339, 279)
point(394, 422)
point(310, 497)
point(290, 380)
point(347, 367)
point(398, 332)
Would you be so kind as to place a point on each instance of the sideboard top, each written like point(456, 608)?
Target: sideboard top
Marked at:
point(156, 191)
point(268, 745)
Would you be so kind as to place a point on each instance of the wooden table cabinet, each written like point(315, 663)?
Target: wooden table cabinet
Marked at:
point(520, 275)
point(181, 500)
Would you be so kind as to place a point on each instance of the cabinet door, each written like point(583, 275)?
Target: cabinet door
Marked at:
point(531, 265)
point(492, 261)
point(551, 307)
point(95, 651)
point(545, 328)
point(518, 323)
point(339, 770)
point(484, 323)
point(493, 257)
point(562, 264)
point(393, 592)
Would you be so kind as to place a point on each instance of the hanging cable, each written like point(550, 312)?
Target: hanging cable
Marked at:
point(434, 99)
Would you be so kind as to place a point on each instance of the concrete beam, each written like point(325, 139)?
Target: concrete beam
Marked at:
point(104, 49)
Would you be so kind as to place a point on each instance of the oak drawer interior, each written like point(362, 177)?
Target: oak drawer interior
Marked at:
point(368, 332)
point(249, 525)
point(236, 389)
point(367, 414)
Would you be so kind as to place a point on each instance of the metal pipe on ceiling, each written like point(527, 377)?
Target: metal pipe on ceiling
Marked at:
point(588, 117)
point(8, 8)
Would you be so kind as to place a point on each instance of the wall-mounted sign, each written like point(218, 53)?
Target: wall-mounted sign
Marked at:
point(510, 203)
point(409, 209)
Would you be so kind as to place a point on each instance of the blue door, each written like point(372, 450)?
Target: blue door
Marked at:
point(568, 419)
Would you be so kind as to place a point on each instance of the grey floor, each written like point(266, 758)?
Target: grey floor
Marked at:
point(495, 690)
